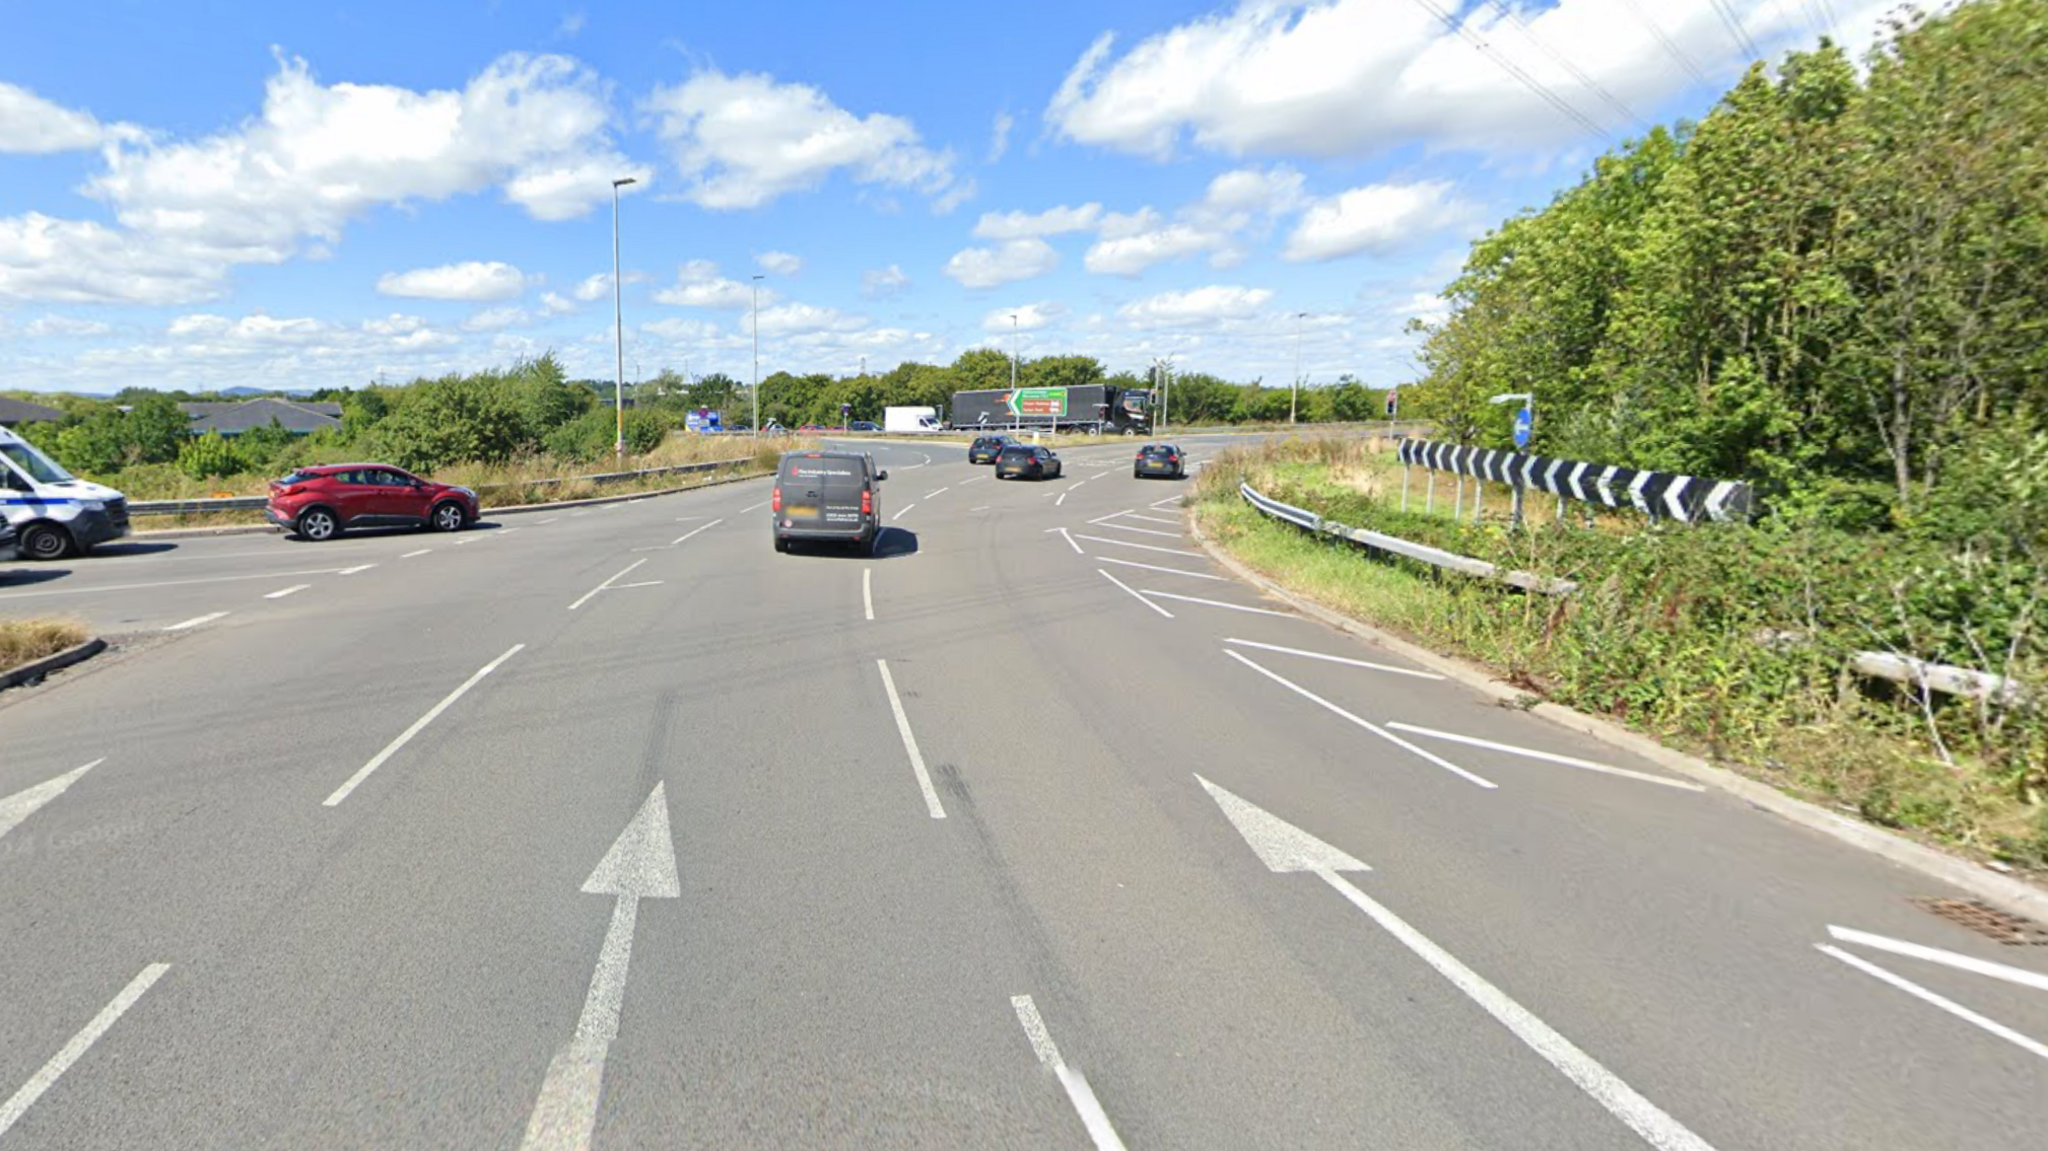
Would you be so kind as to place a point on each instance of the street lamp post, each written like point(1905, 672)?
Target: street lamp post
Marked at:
point(1013, 373)
point(618, 330)
point(757, 356)
point(1294, 397)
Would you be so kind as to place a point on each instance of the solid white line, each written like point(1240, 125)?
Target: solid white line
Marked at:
point(924, 779)
point(283, 592)
point(755, 507)
point(982, 508)
point(867, 590)
point(1645, 1118)
point(1215, 603)
point(1111, 516)
point(166, 583)
point(694, 531)
point(1155, 503)
point(45, 1077)
point(1075, 484)
point(355, 569)
point(1337, 659)
point(1068, 536)
point(1368, 725)
point(1139, 595)
point(1151, 519)
point(467, 540)
point(593, 591)
point(1949, 1005)
point(1946, 958)
point(1546, 756)
point(418, 725)
point(902, 511)
point(196, 620)
point(1142, 547)
point(642, 583)
point(1157, 568)
point(1082, 1096)
point(421, 552)
point(947, 488)
point(1042, 1045)
point(22, 804)
point(1144, 531)
point(975, 480)
point(1061, 500)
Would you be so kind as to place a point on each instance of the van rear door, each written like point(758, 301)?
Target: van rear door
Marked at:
point(803, 491)
point(845, 483)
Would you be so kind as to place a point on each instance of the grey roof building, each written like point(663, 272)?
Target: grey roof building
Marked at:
point(13, 412)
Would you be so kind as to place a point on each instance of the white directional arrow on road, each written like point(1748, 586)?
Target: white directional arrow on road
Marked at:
point(23, 804)
point(640, 865)
point(1283, 847)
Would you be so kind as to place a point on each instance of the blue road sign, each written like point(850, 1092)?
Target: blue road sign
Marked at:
point(1525, 423)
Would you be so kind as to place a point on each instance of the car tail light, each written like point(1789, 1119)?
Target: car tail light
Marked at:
point(867, 502)
point(775, 500)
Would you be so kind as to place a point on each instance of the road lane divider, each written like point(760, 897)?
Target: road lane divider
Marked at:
point(1960, 962)
point(22, 804)
point(47, 1075)
point(1110, 516)
point(91, 590)
point(1067, 536)
point(694, 531)
point(1135, 593)
point(975, 480)
point(1545, 756)
point(1149, 519)
point(421, 552)
point(196, 621)
point(285, 591)
point(753, 507)
point(867, 591)
point(1141, 531)
point(1061, 500)
point(902, 511)
point(1284, 848)
point(418, 725)
point(1343, 659)
point(1982, 1022)
point(1168, 571)
point(1141, 547)
point(1367, 724)
point(1219, 603)
point(585, 598)
point(355, 569)
point(924, 778)
point(1093, 1118)
point(947, 488)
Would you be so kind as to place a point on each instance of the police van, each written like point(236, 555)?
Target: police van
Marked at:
point(53, 513)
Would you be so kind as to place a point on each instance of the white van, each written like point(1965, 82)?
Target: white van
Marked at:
point(53, 513)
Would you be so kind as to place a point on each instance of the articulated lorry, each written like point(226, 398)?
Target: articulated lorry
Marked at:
point(1093, 408)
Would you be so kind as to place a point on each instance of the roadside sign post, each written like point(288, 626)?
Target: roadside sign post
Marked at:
point(1525, 430)
point(845, 417)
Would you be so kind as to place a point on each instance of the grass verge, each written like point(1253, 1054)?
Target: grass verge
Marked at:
point(24, 640)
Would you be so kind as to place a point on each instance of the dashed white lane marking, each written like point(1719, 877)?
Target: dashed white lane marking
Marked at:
point(924, 779)
point(982, 508)
point(585, 598)
point(1368, 725)
point(1168, 571)
point(1135, 593)
point(47, 1075)
point(195, 621)
point(1218, 603)
point(421, 552)
point(867, 591)
point(1075, 484)
point(1337, 659)
point(693, 531)
point(283, 592)
point(1921, 993)
point(418, 725)
point(753, 507)
point(1061, 500)
point(975, 480)
point(1967, 963)
point(1141, 547)
point(355, 569)
point(687, 519)
point(1545, 756)
point(947, 488)
point(1093, 1118)
point(902, 511)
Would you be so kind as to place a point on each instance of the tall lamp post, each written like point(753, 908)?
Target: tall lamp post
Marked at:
point(618, 330)
point(1294, 398)
point(1013, 373)
point(757, 356)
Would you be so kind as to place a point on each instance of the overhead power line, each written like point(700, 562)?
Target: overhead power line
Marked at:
point(1565, 62)
point(1735, 29)
point(1530, 82)
point(1670, 49)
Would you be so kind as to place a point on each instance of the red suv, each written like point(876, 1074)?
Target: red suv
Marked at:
point(319, 503)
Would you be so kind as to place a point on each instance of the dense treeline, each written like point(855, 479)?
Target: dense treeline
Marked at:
point(1834, 285)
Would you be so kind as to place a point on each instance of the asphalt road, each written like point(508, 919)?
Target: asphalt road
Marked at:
point(612, 827)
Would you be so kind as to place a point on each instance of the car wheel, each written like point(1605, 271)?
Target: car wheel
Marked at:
point(1130, 431)
point(45, 542)
point(318, 525)
point(448, 517)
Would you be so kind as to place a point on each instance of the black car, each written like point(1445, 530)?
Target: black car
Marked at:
point(984, 449)
point(1016, 461)
point(1160, 460)
point(863, 426)
point(828, 497)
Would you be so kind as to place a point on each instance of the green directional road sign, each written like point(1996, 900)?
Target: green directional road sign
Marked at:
point(1038, 402)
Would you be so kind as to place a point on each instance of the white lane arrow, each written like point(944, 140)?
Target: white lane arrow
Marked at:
point(1283, 847)
point(640, 865)
point(23, 804)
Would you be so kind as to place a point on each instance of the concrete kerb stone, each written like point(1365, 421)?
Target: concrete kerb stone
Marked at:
point(2011, 894)
point(36, 669)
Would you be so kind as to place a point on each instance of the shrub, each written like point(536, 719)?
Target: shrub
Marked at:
point(210, 456)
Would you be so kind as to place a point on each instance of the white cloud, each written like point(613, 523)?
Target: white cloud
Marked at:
point(690, 331)
point(1428, 307)
point(1377, 218)
point(1234, 203)
point(999, 136)
point(492, 319)
point(794, 318)
point(741, 141)
point(881, 283)
point(1025, 225)
point(597, 287)
point(78, 261)
point(30, 124)
point(1352, 77)
point(1029, 317)
point(1196, 307)
point(472, 280)
point(780, 263)
point(1013, 261)
point(698, 285)
point(554, 304)
point(394, 324)
point(1132, 254)
point(961, 192)
point(572, 23)
point(55, 325)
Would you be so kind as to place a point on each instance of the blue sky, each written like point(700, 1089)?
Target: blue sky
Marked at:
point(219, 194)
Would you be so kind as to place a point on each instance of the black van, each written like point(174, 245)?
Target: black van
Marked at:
point(827, 496)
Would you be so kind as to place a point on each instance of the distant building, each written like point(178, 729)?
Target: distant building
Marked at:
point(16, 412)
point(299, 417)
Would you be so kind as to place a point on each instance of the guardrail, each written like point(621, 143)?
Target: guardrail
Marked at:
point(257, 503)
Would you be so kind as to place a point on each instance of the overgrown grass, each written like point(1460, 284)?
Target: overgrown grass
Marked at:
point(1728, 641)
point(23, 640)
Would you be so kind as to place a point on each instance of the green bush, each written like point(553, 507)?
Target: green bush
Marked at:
point(590, 436)
point(210, 456)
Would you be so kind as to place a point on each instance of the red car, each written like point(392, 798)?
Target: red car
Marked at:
point(319, 503)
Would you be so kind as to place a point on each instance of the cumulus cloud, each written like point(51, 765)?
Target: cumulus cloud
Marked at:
point(55, 325)
point(1196, 307)
point(1131, 254)
point(1236, 203)
point(79, 261)
point(473, 280)
point(1012, 261)
point(740, 141)
point(1026, 225)
point(32, 125)
point(999, 136)
point(1377, 218)
point(698, 285)
point(1352, 77)
point(554, 304)
point(1029, 317)
point(597, 287)
point(794, 318)
point(494, 319)
point(780, 263)
point(881, 283)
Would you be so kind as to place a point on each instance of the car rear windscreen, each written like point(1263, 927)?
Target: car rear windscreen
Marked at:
point(1016, 452)
point(833, 473)
point(1160, 451)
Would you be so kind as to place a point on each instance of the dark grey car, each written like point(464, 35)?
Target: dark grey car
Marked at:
point(827, 497)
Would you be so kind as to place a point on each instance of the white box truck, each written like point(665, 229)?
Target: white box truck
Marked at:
point(53, 513)
point(910, 420)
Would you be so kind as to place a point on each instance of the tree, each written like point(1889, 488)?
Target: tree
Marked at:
point(210, 456)
point(981, 368)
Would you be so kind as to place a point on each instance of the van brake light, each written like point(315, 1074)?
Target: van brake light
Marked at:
point(867, 502)
point(775, 500)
